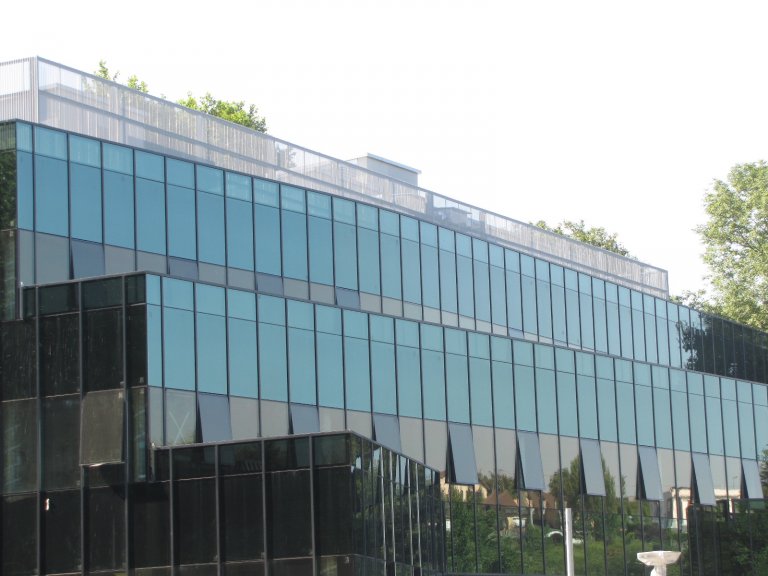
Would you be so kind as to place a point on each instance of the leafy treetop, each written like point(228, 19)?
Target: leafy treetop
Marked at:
point(596, 236)
point(232, 111)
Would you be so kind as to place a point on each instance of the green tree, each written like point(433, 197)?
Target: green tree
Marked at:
point(735, 240)
point(596, 236)
point(232, 111)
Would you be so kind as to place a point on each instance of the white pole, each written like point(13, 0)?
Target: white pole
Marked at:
point(569, 568)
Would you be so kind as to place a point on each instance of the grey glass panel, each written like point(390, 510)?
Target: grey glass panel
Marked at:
point(102, 425)
point(182, 228)
point(592, 466)
point(118, 210)
point(386, 431)
point(752, 487)
point(87, 259)
point(462, 450)
point(705, 491)
point(529, 454)
point(61, 442)
point(85, 199)
point(150, 216)
point(304, 419)
point(180, 418)
point(51, 196)
point(210, 228)
point(244, 417)
point(19, 425)
point(215, 423)
point(649, 470)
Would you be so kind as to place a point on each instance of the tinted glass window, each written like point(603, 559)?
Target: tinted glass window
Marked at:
point(150, 216)
point(86, 202)
point(51, 196)
point(182, 227)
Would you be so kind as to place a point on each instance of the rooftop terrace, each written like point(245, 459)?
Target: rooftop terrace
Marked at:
point(44, 92)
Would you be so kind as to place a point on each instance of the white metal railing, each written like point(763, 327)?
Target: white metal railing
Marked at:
point(43, 92)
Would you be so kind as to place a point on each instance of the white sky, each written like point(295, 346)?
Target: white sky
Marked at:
point(618, 113)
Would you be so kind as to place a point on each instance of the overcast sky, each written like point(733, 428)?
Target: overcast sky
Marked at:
point(617, 113)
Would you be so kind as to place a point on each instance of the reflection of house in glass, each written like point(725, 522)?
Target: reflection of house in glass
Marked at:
point(222, 353)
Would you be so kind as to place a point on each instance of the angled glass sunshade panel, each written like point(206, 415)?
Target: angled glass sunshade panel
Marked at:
point(650, 487)
point(704, 491)
point(751, 486)
point(215, 423)
point(592, 468)
point(386, 431)
point(304, 419)
point(462, 454)
point(529, 455)
point(102, 426)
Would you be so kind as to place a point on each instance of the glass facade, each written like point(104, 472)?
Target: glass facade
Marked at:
point(158, 313)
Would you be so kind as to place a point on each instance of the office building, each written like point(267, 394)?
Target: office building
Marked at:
point(222, 353)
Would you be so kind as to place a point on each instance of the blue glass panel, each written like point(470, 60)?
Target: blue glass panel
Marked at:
point(292, 199)
point(731, 430)
point(679, 411)
point(273, 362)
point(345, 255)
point(179, 348)
point(343, 211)
point(51, 143)
point(714, 426)
point(319, 205)
point(84, 151)
point(638, 334)
point(210, 228)
point(320, 250)
point(154, 346)
point(433, 378)
point(747, 431)
point(626, 412)
point(574, 322)
point(328, 319)
point(241, 305)
point(498, 297)
point(409, 381)
point(448, 296)
point(210, 180)
point(238, 186)
point(330, 378)
point(430, 279)
point(409, 228)
point(463, 245)
point(457, 386)
point(118, 158)
point(465, 276)
point(209, 299)
point(606, 409)
point(267, 231)
point(150, 216)
point(271, 309)
point(301, 357)
point(514, 302)
point(301, 315)
point(389, 222)
point(51, 196)
point(559, 325)
point(182, 229)
point(180, 173)
point(503, 395)
point(546, 407)
point(368, 217)
point(644, 408)
point(178, 294)
point(153, 289)
point(761, 428)
point(211, 354)
point(530, 323)
point(355, 324)
point(368, 260)
point(357, 374)
point(482, 291)
point(390, 264)
point(24, 190)
point(243, 365)
point(525, 398)
point(383, 377)
point(85, 198)
point(266, 192)
point(480, 387)
point(411, 272)
point(566, 404)
point(150, 166)
point(118, 210)
point(294, 234)
point(698, 423)
point(587, 406)
point(239, 234)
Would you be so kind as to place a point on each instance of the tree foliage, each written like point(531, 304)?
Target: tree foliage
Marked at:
point(232, 111)
point(596, 235)
point(735, 239)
